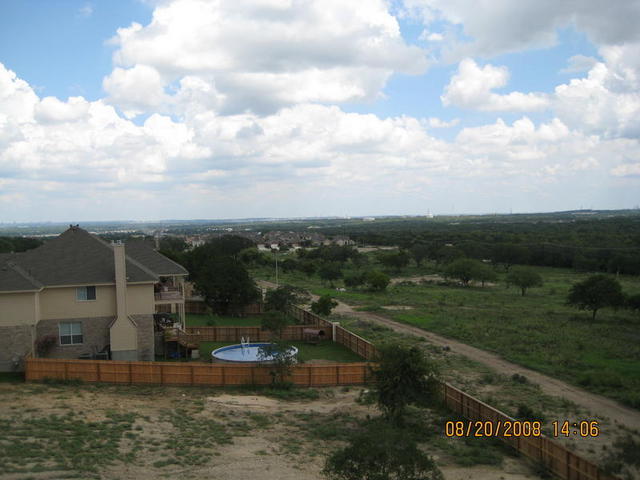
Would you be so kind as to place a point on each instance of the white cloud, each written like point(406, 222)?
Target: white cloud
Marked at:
point(493, 27)
point(52, 110)
point(627, 170)
point(65, 152)
point(86, 10)
point(471, 88)
point(426, 36)
point(16, 97)
point(260, 56)
point(135, 90)
point(579, 64)
point(607, 101)
point(438, 123)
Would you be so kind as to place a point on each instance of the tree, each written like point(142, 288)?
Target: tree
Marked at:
point(377, 281)
point(354, 279)
point(395, 261)
point(330, 271)
point(324, 305)
point(633, 302)
point(172, 244)
point(485, 273)
point(381, 452)
point(524, 278)
point(224, 282)
point(252, 256)
point(308, 267)
point(596, 292)
point(465, 270)
point(447, 254)
point(509, 254)
point(274, 323)
point(289, 265)
point(419, 252)
point(403, 377)
point(281, 298)
point(281, 359)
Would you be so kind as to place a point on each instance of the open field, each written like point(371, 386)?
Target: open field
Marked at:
point(537, 331)
point(118, 432)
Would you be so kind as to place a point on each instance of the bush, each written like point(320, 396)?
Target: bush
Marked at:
point(381, 452)
point(45, 344)
point(403, 377)
point(324, 305)
point(377, 281)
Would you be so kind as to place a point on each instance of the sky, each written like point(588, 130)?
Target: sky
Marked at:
point(184, 109)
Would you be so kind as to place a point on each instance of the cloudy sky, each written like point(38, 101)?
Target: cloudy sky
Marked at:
point(142, 109)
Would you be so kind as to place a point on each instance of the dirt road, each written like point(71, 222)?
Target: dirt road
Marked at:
point(596, 404)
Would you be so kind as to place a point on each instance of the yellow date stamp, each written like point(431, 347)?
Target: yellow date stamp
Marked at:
point(518, 428)
point(499, 428)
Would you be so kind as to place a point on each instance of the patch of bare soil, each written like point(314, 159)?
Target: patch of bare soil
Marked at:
point(435, 279)
point(397, 307)
point(271, 439)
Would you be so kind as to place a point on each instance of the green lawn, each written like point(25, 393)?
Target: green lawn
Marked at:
point(538, 330)
point(326, 350)
point(198, 320)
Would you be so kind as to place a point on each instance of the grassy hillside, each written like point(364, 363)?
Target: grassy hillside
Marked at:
point(538, 330)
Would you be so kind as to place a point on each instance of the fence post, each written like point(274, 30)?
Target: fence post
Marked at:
point(99, 372)
point(161, 375)
point(338, 375)
point(333, 330)
point(310, 370)
point(130, 376)
point(66, 371)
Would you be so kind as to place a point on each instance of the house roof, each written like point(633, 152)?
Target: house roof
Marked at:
point(13, 278)
point(77, 257)
point(142, 252)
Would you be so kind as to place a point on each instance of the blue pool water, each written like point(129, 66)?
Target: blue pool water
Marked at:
point(247, 353)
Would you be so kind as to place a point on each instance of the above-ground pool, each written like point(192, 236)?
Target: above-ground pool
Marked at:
point(249, 352)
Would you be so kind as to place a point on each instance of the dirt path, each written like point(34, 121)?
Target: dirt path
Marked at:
point(596, 404)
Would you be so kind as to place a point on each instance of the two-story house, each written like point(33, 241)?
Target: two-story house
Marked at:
point(87, 294)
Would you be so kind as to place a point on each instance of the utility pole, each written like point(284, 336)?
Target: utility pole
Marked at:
point(275, 253)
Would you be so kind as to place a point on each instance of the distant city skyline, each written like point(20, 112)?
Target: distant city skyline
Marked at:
point(183, 109)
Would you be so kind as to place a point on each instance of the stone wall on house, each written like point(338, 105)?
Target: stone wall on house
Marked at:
point(95, 336)
point(146, 347)
point(15, 344)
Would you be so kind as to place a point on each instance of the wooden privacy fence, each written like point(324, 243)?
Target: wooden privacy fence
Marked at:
point(554, 456)
point(255, 334)
point(191, 373)
point(353, 342)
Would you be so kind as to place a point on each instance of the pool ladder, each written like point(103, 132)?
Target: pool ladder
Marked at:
point(244, 344)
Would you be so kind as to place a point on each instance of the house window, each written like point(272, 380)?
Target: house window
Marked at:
point(70, 333)
point(85, 293)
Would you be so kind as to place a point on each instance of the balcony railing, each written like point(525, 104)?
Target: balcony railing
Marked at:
point(169, 293)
